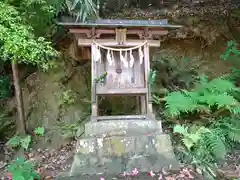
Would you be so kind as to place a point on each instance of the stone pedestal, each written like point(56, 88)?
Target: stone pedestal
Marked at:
point(114, 148)
point(116, 127)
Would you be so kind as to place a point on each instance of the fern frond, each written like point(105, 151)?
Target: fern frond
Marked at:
point(234, 135)
point(180, 129)
point(178, 102)
point(218, 85)
point(215, 145)
point(212, 99)
point(234, 110)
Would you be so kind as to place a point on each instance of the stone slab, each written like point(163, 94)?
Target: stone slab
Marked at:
point(118, 127)
point(117, 154)
point(141, 176)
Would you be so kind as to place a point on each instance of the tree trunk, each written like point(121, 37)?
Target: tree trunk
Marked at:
point(20, 123)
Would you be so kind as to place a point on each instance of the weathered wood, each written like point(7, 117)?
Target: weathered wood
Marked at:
point(113, 42)
point(143, 104)
point(121, 36)
point(93, 93)
point(129, 77)
point(147, 71)
point(141, 32)
point(123, 91)
point(124, 66)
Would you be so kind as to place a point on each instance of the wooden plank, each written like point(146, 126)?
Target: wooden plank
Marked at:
point(147, 71)
point(130, 31)
point(143, 104)
point(124, 117)
point(88, 30)
point(113, 42)
point(131, 91)
point(93, 93)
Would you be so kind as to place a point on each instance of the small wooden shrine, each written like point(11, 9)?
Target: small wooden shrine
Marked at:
point(120, 58)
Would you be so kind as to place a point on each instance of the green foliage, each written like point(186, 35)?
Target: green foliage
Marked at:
point(7, 125)
point(207, 97)
point(82, 9)
point(101, 79)
point(5, 87)
point(174, 72)
point(189, 138)
point(18, 42)
point(152, 77)
point(68, 130)
point(39, 131)
point(24, 141)
point(67, 98)
point(22, 170)
point(232, 55)
point(210, 114)
point(20, 141)
point(38, 14)
point(231, 51)
point(208, 145)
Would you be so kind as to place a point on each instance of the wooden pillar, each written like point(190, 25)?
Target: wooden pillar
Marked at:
point(138, 105)
point(143, 104)
point(147, 70)
point(94, 97)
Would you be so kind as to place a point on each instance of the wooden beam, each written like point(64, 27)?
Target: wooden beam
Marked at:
point(112, 31)
point(113, 42)
point(98, 31)
point(129, 92)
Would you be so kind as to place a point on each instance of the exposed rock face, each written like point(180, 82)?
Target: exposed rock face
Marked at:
point(57, 100)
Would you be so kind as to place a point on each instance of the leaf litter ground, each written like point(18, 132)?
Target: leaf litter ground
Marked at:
point(51, 162)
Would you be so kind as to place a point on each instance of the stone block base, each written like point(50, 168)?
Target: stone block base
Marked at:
point(117, 154)
point(94, 128)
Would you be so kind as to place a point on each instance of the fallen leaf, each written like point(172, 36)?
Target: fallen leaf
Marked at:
point(134, 172)
point(151, 174)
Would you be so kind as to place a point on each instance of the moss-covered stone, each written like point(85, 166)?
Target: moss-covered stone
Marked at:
point(117, 154)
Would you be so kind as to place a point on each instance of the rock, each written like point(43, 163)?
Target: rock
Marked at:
point(121, 126)
point(30, 155)
point(116, 154)
point(43, 93)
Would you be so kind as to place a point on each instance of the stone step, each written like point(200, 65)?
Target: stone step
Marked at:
point(118, 154)
point(119, 127)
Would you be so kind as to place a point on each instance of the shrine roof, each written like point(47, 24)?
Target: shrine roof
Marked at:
point(68, 21)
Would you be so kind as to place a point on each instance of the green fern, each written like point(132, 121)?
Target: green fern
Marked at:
point(190, 138)
point(217, 85)
point(229, 127)
point(215, 93)
point(218, 102)
point(231, 50)
point(179, 102)
point(215, 145)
